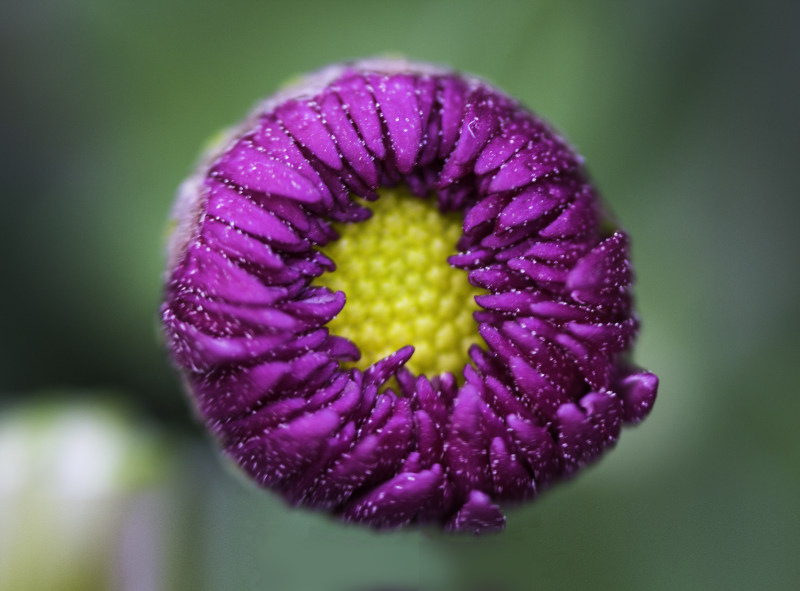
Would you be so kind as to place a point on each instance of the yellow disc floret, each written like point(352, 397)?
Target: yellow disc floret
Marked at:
point(399, 286)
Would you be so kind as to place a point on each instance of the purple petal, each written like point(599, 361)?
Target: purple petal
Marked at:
point(235, 209)
point(452, 98)
point(478, 515)
point(605, 269)
point(638, 393)
point(528, 206)
point(251, 169)
point(500, 149)
point(303, 122)
point(382, 370)
point(397, 501)
point(510, 479)
point(397, 101)
point(467, 448)
point(360, 105)
point(355, 154)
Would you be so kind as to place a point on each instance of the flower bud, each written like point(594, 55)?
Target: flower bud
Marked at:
point(460, 343)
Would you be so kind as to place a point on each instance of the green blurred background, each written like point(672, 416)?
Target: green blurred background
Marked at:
point(686, 112)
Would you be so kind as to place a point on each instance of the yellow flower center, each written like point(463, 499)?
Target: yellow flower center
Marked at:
point(400, 288)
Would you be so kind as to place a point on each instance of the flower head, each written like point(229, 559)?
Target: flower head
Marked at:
point(330, 404)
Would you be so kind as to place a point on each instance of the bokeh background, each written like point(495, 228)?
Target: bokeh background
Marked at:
point(686, 112)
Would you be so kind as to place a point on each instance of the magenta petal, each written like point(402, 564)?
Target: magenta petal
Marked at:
point(604, 409)
point(478, 515)
point(351, 470)
point(504, 402)
point(452, 98)
point(537, 447)
point(429, 440)
point(431, 123)
point(288, 450)
point(608, 336)
point(605, 269)
point(398, 104)
point(388, 366)
point(498, 150)
point(471, 259)
point(585, 434)
point(595, 366)
point(578, 219)
point(251, 169)
point(318, 307)
point(480, 123)
point(467, 445)
point(355, 154)
point(432, 401)
point(232, 242)
point(638, 392)
point(535, 387)
point(359, 104)
point(256, 320)
point(516, 302)
point(212, 272)
point(528, 206)
point(477, 127)
point(539, 272)
point(510, 479)
point(397, 501)
point(484, 211)
point(231, 207)
point(304, 124)
point(540, 159)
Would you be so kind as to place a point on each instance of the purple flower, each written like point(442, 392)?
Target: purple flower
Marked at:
point(549, 380)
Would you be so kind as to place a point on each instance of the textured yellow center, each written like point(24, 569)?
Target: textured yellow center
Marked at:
point(400, 288)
